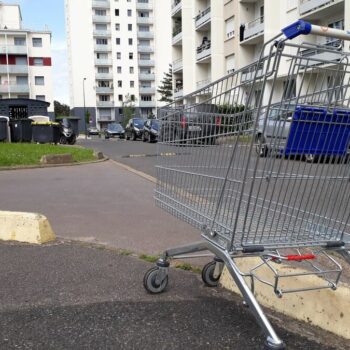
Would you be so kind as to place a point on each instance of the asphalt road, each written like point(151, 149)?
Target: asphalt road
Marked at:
point(69, 296)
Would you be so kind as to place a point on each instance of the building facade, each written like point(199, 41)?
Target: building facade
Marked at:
point(214, 38)
point(25, 59)
point(117, 56)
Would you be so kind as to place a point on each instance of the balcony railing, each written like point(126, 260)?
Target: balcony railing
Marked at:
point(144, 48)
point(249, 73)
point(107, 104)
point(143, 5)
point(144, 20)
point(147, 77)
point(100, 4)
point(147, 90)
point(103, 48)
point(14, 88)
point(179, 92)
point(102, 33)
point(177, 65)
point(177, 35)
point(254, 27)
point(101, 19)
point(104, 76)
point(203, 18)
point(13, 49)
point(176, 7)
point(104, 118)
point(146, 63)
point(103, 62)
point(145, 104)
point(104, 90)
point(13, 69)
point(311, 5)
point(204, 51)
point(145, 35)
point(203, 83)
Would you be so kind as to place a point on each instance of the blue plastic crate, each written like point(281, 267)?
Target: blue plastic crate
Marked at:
point(317, 131)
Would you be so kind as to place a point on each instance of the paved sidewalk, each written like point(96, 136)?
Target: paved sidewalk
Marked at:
point(69, 296)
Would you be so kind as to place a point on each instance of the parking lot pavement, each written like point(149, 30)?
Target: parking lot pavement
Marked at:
point(73, 296)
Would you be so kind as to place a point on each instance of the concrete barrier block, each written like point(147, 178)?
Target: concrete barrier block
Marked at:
point(25, 227)
point(57, 159)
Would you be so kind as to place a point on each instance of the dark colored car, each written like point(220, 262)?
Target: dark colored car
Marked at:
point(150, 130)
point(134, 129)
point(92, 131)
point(114, 130)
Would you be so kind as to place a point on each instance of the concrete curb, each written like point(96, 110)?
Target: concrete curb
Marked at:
point(43, 166)
point(25, 227)
point(325, 308)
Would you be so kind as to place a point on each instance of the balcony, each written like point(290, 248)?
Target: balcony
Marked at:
point(145, 35)
point(307, 6)
point(254, 31)
point(147, 90)
point(101, 4)
point(14, 49)
point(102, 33)
point(146, 63)
point(249, 73)
point(103, 62)
point(14, 88)
point(200, 84)
point(177, 36)
point(145, 49)
point(101, 19)
point(177, 65)
point(176, 7)
point(144, 5)
point(104, 118)
point(104, 90)
point(179, 92)
point(146, 77)
point(103, 48)
point(13, 69)
point(204, 52)
point(144, 20)
point(105, 104)
point(149, 104)
point(104, 76)
point(202, 21)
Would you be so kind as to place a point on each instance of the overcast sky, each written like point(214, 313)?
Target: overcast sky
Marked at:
point(38, 14)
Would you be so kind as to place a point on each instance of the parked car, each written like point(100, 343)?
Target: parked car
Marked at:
point(93, 131)
point(134, 129)
point(114, 130)
point(150, 130)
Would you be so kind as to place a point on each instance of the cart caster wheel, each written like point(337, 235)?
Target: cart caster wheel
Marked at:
point(271, 346)
point(208, 275)
point(150, 281)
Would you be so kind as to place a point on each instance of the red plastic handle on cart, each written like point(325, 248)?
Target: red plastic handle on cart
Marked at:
point(297, 257)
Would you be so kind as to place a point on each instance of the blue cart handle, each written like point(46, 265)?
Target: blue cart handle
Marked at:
point(305, 28)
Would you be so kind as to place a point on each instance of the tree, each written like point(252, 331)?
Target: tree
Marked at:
point(166, 87)
point(128, 108)
point(61, 110)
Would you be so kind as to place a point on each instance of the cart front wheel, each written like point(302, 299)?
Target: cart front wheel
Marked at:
point(208, 275)
point(152, 282)
point(261, 147)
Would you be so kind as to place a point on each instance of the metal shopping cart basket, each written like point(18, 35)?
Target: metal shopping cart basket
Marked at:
point(259, 162)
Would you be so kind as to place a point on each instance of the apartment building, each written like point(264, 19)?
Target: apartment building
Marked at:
point(118, 53)
point(25, 59)
point(209, 41)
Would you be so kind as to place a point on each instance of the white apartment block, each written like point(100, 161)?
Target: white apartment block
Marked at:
point(25, 59)
point(213, 38)
point(117, 48)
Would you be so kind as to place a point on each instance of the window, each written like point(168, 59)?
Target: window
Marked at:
point(146, 98)
point(132, 84)
point(37, 42)
point(230, 28)
point(21, 61)
point(38, 61)
point(145, 56)
point(144, 29)
point(131, 55)
point(119, 69)
point(129, 13)
point(102, 56)
point(103, 83)
point(117, 41)
point(132, 97)
point(100, 12)
point(116, 12)
point(130, 41)
point(103, 70)
point(39, 80)
point(40, 97)
point(129, 27)
point(101, 26)
point(119, 55)
point(120, 98)
point(20, 41)
point(104, 98)
point(131, 70)
point(101, 41)
point(230, 63)
point(120, 83)
point(117, 26)
point(20, 80)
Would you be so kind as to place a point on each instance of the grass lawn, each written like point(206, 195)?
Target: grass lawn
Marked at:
point(12, 154)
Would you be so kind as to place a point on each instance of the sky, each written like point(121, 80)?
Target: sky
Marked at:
point(39, 14)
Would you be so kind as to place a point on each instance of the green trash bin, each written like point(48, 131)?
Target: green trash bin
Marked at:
point(21, 130)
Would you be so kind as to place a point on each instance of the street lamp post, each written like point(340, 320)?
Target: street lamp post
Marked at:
point(84, 108)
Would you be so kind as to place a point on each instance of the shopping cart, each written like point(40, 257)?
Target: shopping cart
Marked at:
point(259, 162)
